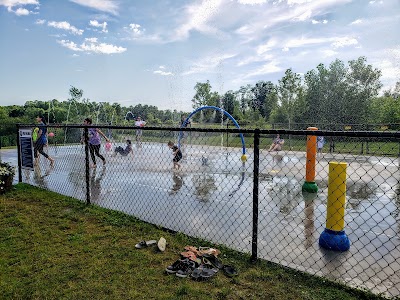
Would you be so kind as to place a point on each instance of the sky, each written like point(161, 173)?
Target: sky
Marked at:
point(154, 52)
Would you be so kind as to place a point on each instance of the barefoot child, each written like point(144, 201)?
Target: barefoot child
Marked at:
point(177, 155)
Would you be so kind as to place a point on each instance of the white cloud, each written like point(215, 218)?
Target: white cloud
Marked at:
point(198, 17)
point(336, 42)
point(69, 44)
point(92, 45)
point(135, 29)
point(329, 53)
point(304, 16)
point(252, 2)
point(163, 73)
point(344, 41)
point(109, 6)
point(389, 70)
point(20, 11)
point(91, 40)
point(12, 3)
point(255, 59)
point(303, 41)
point(209, 64)
point(96, 23)
point(65, 26)
point(319, 22)
point(266, 47)
point(268, 68)
point(40, 22)
point(358, 21)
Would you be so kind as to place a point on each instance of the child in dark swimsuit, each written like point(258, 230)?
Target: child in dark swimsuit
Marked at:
point(177, 155)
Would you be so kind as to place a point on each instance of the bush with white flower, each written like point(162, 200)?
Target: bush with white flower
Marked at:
point(7, 172)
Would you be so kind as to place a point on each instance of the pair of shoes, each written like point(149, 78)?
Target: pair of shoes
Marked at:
point(181, 268)
point(203, 272)
point(145, 244)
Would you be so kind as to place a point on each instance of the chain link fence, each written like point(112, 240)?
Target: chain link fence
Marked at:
point(254, 203)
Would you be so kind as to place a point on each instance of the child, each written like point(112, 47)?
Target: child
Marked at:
point(94, 142)
point(177, 155)
point(320, 144)
point(41, 141)
point(139, 132)
point(122, 151)
point(276, 144)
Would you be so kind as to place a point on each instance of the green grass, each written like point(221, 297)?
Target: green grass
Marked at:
point(56, 247)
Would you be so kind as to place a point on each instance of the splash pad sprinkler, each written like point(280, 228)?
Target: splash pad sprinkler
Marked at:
point(243, 158)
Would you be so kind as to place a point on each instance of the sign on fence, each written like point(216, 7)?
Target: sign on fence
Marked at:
point(26, 148)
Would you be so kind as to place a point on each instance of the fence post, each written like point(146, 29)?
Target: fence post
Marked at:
point(19, 157)
point(256, 170)
point(227, 135)
point(86, 139)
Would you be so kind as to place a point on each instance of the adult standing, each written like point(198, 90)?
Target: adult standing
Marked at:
point(94, 142)
point(41, 141)
point(139, 123)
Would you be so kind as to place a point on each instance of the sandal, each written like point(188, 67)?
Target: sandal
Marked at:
point(192, 249)
point(208, 250)
point(230, 271)
point(212, 260)
point(144, 244)
point(190, 255)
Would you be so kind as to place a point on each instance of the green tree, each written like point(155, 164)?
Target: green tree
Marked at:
point(245, 95)
point(290, 94)
point(363, 84)
point(264, 98)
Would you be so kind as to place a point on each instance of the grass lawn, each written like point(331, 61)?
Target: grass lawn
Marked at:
point(56, 247)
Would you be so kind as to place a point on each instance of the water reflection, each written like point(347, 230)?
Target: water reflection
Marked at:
point(204, 184)
point(309, 226)
point(178, 183)
point(39, 175)
point(95, 184)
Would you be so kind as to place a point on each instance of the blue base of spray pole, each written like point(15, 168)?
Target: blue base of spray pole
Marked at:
point(334, 240)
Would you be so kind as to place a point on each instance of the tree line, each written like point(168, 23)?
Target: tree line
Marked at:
point(327, 95)
point(336, 94)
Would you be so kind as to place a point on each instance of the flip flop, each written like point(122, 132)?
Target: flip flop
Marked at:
point(212, 260)
point(208, 250)
point(190, 255)
point(162, 243)
point(230, 271)
point(144, 244)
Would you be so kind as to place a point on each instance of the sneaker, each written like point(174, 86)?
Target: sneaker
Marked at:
point(186, 269)
point(175, 267)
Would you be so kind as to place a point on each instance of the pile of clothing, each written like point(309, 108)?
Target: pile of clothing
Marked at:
point(200, 264)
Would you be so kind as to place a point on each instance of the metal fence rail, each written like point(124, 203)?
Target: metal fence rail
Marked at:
point(255, 205)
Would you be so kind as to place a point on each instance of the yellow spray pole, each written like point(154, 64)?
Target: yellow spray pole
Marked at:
point(309, 185)
point(334, 236)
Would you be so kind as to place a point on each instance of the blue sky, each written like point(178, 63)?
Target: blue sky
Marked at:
point(154, 52)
